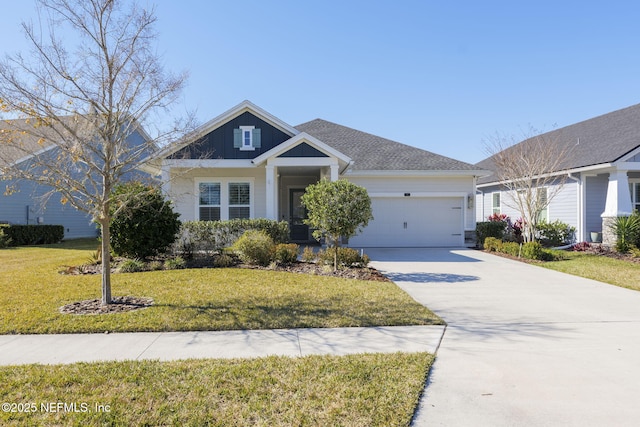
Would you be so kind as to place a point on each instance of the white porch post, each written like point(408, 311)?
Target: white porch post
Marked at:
point(271, 191)
point(334, 172)
point(618, 203)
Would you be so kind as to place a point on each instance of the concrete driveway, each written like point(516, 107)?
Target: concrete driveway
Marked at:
point(524, 345)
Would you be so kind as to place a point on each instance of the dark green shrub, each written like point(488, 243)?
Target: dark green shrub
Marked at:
point(223, 261)
point(347, 257)
point(493, 244)
point(532, 250)
point(556, 233)
point(5, 240)
point(143, 223)
point(286, 253)
point(21, 235)
point(254, 247)
point(495, 229)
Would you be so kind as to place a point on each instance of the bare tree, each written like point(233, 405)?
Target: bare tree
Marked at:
point(75, 107)
point(530, 170)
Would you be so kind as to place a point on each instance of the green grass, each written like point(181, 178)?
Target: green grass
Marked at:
point(604, 269)
point(355, 390)
point(32, 290)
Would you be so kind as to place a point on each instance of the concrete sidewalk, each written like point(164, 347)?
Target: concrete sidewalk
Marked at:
point(71, 348)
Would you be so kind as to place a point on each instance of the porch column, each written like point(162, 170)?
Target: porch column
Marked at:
point(334, 172)
point(618, 203)
point(271, 192)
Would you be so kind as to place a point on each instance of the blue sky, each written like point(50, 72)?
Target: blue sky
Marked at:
point(442, 76)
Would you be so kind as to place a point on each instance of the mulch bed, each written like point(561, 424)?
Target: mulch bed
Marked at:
point(118, 305)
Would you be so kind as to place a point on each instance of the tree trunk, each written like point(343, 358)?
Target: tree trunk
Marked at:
point(106, 262)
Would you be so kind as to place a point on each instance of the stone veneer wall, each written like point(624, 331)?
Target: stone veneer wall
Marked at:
point(608, 236)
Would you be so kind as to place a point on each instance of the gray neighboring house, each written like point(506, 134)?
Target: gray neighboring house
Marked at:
point(247, 163)
point(21, 201)
point(603, 175)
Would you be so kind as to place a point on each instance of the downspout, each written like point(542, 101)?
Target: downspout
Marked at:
point(346, 167)
point(581, 231)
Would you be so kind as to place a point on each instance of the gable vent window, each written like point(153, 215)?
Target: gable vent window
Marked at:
point(247, 138)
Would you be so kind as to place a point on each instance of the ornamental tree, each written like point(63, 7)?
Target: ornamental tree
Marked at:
point(336, 209)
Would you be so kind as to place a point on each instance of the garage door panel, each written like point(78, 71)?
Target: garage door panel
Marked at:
point(413, 222)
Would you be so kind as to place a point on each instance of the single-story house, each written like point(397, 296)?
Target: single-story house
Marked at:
point(602, 172)
point(23, 201)
point(247, 163)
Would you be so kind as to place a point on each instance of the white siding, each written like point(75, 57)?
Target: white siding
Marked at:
point(183, 190)
point(564, 205)
point(596, 197)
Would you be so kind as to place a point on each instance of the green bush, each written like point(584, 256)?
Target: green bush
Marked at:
point(495, 229)
point(20, 235)
point(347, 257)
point(627, 231)
point(286, 253)
point(213, 236)
point(223, 261)
point(511, 248)
point(143, 223)
point(254, 247)
point(131, 266)
point(308, 255)
point(175, 263)
point(532, 250)
point(556, 233)
point(493, 244)
point(5, 240)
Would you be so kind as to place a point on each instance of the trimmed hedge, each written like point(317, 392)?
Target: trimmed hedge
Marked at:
point(212, 236)
point(495, 229)
point(20, 235)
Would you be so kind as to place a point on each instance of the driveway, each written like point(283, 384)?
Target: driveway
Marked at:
point(524, 345)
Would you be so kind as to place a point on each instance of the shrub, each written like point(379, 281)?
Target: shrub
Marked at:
point(510, 248)
point(20, 235)
point(155, 266)
point(347, 257)
point(5, 240)
point(495, 229)
point(175, 263)
point(308, 255)
point(223, 261)
point(213, 236)
point(555, 233)
point(254, 247)
point(532, 250)
point(493, 244)
point(286, 253)
point(581, 247)
point(142, 221)
point(131, 266)
point(627, 230)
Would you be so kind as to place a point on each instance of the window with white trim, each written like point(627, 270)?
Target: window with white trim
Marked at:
point(224, 198)
point(209, 201)
point(634, 189)
point(239, 200)
point(247, 138)
point(495, 203)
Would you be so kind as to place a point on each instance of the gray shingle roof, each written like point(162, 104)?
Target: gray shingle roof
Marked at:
point(370, 152)
point(602, 139)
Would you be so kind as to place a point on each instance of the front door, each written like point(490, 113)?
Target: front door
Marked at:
point(297, 214)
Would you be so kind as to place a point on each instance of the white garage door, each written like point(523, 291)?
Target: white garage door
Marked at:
point(413, 222)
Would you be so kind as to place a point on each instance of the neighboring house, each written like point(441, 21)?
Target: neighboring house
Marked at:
point(22, 202)
point(247, 163)
point(602, 171)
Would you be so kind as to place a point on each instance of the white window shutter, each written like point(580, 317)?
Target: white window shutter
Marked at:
point(237, 138)
point(257, 143)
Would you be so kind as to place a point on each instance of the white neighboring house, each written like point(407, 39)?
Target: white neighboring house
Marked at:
point(21, 202)
point(602, 171)
point(247, 163)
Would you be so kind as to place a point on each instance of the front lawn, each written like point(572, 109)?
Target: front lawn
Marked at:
point(617, 272)
point(32, 290)
point(354, 390)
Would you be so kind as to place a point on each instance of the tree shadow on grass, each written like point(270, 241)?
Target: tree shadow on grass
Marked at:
point(431, 277)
